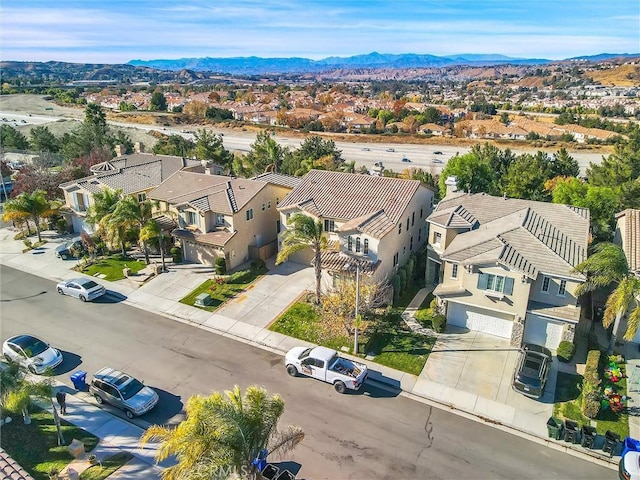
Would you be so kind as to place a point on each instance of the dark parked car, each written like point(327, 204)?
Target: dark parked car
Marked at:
point(532, 370)
point(406, 160)
point(70, 249)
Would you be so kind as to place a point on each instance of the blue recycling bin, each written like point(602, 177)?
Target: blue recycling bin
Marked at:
point(79, 380)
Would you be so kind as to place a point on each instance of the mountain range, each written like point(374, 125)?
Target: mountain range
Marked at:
point(374, 60)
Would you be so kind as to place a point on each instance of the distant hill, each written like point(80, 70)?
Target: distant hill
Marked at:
point(259, 65)
point(604, 56)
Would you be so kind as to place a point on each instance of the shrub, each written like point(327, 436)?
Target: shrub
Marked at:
point(176, 253)
point(220, 266)
point(591, 374)
point(566, 350)
point(403, 280)
point(395, 282)
point(258, 265)
point(590, 385)
point(409, 266)
point(27, 243)
point(439, 322)
point(591, 404)
point(61, 225)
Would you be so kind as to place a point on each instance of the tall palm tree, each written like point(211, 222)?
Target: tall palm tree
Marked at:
point(222, 435)
point(104, 203)
point(34, 206)
point(302, 233)
point(153, 231)
point(605, 267)
point(133, 214)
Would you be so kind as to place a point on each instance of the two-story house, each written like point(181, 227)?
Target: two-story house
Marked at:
point(221, 216)
point(134, 174)
point(376, 222)
point(627, 237)
point(504, 266)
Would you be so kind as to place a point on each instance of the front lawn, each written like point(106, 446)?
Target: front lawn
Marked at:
point(109, 465)
point(222, 289)
point(112, 267)
point(35, 446)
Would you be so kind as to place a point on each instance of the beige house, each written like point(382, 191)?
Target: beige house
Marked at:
point(220, 216)
point(627, 236)
point(134, 174)
point(504, 266)
point(376, 222)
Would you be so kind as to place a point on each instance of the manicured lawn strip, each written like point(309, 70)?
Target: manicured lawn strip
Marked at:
point(221, 292)
point(109, 465)
point(35, 446)
point(112, 267)
point(568, 402)
point(400, 349)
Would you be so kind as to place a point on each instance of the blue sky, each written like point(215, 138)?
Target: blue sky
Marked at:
point(116, 31)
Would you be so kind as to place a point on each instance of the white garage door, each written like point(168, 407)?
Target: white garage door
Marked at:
point(194, 252)
point(478, 320)
point(543, 331)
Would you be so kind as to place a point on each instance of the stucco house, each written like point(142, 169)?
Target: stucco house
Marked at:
point(504, 266)
point(627, 237)
point(134, 174)
point(375, 222)
point(221, 216)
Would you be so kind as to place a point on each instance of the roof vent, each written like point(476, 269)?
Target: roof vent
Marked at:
point(452, 184)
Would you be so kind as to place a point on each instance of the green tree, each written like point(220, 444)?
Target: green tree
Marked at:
point(12, 138)
point(619, 168)
point(130, 213)
point(266, 155)
point(33, 206)
point(158, 102)
point(526, 176)
point(174, 145)
point(304, 232)
point(100, 215)
point(564, 165)
point(209, 146)
point(606, 267)
point(222, 432)
point(498, 159)
point(474, 175)
point(42, 140)
point(314, 152)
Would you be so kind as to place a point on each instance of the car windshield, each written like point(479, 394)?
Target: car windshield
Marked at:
point(305, 353)
point(89, 284)
point(32, 346)
point(131, 388)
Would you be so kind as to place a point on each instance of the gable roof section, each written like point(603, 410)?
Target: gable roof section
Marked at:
point(10, 469)
point(348, 196)
point(524, 235)
point(207, 193)
point(375, 224)
point(629, 236)
point(279, 179)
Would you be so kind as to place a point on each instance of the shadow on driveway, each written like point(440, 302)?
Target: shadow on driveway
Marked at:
point(111, 297)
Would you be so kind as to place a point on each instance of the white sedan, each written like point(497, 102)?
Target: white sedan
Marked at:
point(32, 353)
point(82, 288)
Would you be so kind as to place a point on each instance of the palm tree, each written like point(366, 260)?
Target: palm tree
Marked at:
point(131, 213)
point(608, 266)
point(223, 433)
point(304, 232)
point(104, 204)
point(152, 231)
point(33, 206)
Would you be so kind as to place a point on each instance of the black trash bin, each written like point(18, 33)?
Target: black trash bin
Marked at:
point(589, 436)
point(571, 431)
point(554, 428)
point(270, 472)
point(78, 378)
point(611, 440)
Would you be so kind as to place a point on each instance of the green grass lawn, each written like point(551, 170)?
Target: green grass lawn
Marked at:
point(401, 349)
point(112, 267)
point(109, 465)
point(568, 401)
point(35, 446)
point(221, 292)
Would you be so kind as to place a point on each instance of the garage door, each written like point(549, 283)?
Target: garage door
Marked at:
point(478, 320)
point(543, 331)
point(194, 252)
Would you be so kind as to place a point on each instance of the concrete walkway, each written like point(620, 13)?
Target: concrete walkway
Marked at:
point(468, 372)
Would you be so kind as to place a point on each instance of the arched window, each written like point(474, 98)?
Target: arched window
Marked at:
point(358, 245)
point(366, 246)
point(350, 243)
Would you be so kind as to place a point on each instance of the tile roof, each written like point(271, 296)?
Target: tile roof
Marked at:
point(376, 202)
point(10, 469)
point(207, 193)
point(341, 262)
point(524, 235)
point(218, 238)
point(279, 179)
point(629, 233)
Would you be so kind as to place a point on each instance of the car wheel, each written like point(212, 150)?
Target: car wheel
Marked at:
point(99, 399)
point(8, 358)
point(340, 387)
point(64, 257)
point(83, 298)
point(292, 370)
point(129, 414)
point(60, 291)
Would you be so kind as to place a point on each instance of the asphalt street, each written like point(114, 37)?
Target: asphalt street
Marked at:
point(369, 435)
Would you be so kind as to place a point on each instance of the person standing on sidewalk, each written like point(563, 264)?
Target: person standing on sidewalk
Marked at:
point(61, 397)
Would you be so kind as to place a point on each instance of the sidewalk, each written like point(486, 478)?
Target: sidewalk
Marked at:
point(246, 319)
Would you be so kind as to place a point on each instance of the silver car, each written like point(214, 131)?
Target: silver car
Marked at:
point(122, 391)
point(83, 288)
point(32, 353)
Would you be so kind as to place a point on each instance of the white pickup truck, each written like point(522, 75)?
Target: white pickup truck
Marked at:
point(325, 364)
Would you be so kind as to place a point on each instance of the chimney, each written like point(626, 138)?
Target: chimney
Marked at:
point(452, 184)
point(120, 150)
point(209, 167)
point(138, 147)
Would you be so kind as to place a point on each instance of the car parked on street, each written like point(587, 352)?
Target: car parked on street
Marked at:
point(31, 353)
point(532, 370)
point(436, 160)
point(406, 160)
point(391, 150)
point(70, 249)
point(437, 152)
point(629, 466)
point(83, 288)
point(122, 391)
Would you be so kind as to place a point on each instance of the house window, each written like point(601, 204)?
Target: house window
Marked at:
point(192, 218)
point(81, 205)
point(269, 204)
point(250, 214)
point(420, 212)
point(437, 238)
point(413, 219)
point(142, 197)
point(407, 224)
point(419, 235)
point(395, 259)
point(277, 201)
point(264, 207)
point(454, 271)
point(358, 245)
point(562, 290)
point(399, 228)
point(545, 285)
point(219, 219)
point(366, 246)
point(411, 243)
point(350, 243)
point(329, 226)
point(495, 283)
